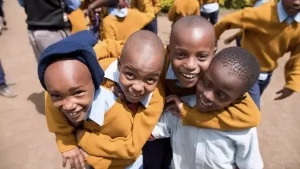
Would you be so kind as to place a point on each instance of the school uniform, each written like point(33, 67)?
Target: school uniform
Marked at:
point(181, 8)
point(201, 148)
point(210, 10)
point(119, 24)
point(114, 133)
point(280, 34)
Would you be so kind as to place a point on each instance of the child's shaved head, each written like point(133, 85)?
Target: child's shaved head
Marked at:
point(233, 71)
point(191, 49)
point(140, 65)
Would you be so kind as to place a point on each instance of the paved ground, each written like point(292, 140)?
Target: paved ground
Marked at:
point(25, 142)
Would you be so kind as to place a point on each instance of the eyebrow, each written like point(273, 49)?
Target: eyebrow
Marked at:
point(75, 88)
point(136, 70)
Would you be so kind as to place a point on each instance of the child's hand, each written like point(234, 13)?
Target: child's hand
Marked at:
point(173, 104)
point(229, 40)
point(284, 93)
point(117, 91)
point(75, 158)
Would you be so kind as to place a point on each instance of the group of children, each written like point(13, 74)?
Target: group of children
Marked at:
point(135, 104)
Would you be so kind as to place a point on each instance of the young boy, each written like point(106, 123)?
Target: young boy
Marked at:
point(278, 32)
point(188, 55)
point(210, 10)
point(207, 148)
point(113, 127)
point(123, 21)
point(181, 8)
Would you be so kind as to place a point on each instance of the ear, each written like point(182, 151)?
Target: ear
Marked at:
point(240, 99)
point(119, 64)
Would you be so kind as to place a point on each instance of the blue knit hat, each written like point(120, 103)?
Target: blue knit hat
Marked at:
point(78, 46)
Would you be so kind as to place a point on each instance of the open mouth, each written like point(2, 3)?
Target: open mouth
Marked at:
point(204, 102)
point(73, 114)
point(188, 76)
point(134, 95)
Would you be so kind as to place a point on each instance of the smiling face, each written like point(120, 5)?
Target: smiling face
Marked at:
point(292, 7)
point(70, 86)
point(138, 77)
point(191, 52)
point(218, 88)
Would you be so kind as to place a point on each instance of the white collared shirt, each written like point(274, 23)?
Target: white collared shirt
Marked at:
point(199, 148)
point(210, 7)
point(104, 99)
point(283, 16)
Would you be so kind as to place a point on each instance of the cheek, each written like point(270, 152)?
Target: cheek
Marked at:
point(150, 88)
point(204, 65)
point(176, 64)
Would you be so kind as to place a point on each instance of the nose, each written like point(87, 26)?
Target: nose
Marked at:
point(209, 95)
point(296, 2)
point(69, 105)
point(191, 64)
point(138, 88)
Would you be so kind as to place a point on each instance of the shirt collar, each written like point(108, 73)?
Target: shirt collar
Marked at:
point(98, 109)
point(113, 74)
point(121, 13)
point(170, 74)
point(283, 16)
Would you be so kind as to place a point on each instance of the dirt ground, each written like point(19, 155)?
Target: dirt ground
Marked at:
point(25, 142)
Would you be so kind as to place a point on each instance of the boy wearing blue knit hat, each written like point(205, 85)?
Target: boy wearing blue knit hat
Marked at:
point(69, 72)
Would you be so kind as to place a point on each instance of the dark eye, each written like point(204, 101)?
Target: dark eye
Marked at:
point(180, 55)
point(55, 96)
point(221, 96)
point(151, 80)
point(205, 83)
point(129, 75)
point(202, 57)
point(78, 92)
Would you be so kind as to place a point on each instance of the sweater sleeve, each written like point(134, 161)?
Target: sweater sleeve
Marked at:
point(107, 31)
point(231, 21)
point(131, 146)
point(58, 124)
point(238, 116)
point(148, 14)
point(108, 49)
point(292, 70)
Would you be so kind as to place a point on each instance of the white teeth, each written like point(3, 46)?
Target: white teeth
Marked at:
point(135, 95)
point(205, 103)
point(188, 76)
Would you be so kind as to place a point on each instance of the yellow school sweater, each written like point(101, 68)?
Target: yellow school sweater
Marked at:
point(181, 8)
point(236, 117)
point(77, 20)
point(121, 135)
point(121, 28)
point(139, 4)
point(267, 39)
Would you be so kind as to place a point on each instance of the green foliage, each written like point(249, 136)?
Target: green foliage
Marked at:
point(166, 5)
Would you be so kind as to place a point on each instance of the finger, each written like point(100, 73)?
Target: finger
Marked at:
point(72, 163)
point(112, 89)
point(64, 162)
point(77, 160)
point(176, 113)
point(171, 108)
point(81, 160)
point(170, 98)
point(280, 91)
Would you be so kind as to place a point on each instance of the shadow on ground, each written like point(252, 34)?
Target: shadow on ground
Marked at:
point(38, 100)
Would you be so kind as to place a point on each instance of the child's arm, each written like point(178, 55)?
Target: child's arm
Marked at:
point(148, 12)
point(65, 139)
point(247, 151)
point(233, 37)
point(236, 117)
point(292, 74)
point(108, 49)
point(231, 21)
point(127, 148)
point(107, 31)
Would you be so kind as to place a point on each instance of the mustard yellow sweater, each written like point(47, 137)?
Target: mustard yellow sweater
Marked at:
point(267, 39)
point(181, 8)
point(140, 5)
point(236, 117)
point(78, 21)
point(121, 28)
point(121, 136)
